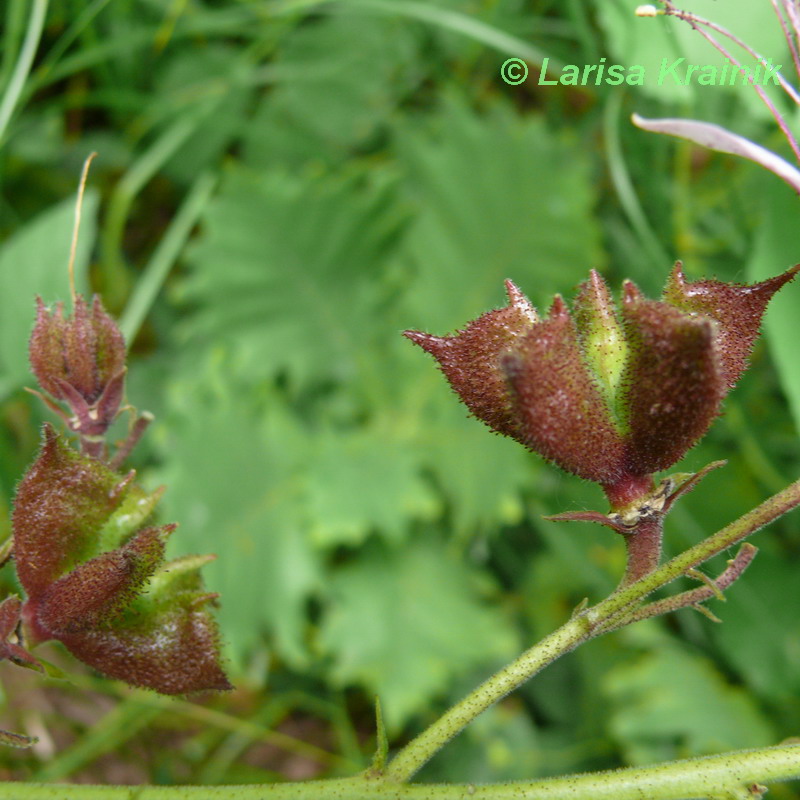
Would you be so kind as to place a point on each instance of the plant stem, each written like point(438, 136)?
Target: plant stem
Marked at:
point(587, 624)
point(772, 508)
point(643, 544)
point(691, 598)
point(415, 754)
point(727, 776)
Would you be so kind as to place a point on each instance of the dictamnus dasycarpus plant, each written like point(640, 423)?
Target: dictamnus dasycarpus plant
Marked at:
point(93, 569)
point(613, 393)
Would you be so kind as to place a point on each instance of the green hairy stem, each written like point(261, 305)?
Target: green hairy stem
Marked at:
point(724, 777)
point(611, 612)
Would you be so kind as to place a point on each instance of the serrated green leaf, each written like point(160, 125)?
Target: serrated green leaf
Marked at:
point(287, 271)
point(34, 262)
point(362, 482)
point(500, 196)
point(405, 622)
point(481, 474)
point(670, 703)
point(233, 484)
point(330, 96)
point(216, 81)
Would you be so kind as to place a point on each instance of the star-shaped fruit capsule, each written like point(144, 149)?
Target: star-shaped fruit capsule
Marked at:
point(97, 581)
point(611, 393)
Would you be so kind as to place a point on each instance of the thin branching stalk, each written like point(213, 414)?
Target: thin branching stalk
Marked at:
point(584, 626)
point(787, 34)
point(700, 24)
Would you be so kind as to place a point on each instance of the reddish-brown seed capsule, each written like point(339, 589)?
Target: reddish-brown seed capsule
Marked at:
point(610, 394)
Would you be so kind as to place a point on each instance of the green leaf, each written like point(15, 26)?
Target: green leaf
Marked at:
point(234, 485)
point(500, 196)
point(215, 81)
point(364, 481)
point(776, 248)
point(404, 622)
point(287, 269)
point(761, 635)
point(330, 96)
point(34, 261)
point(481, 474)
point(670, 703)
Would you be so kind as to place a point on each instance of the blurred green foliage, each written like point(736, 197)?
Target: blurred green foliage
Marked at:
point(321, 176)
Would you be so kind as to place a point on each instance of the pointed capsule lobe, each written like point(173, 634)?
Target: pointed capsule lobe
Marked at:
point(470, 359)
point(602, 336)
point(87, 570)
point(737, 309)
point(97, 590)
point(61, 505)
point(562, 411)
point(672, 384)
point(176, 652)
point(613, 396)
point(80, 361)
point(84, 351)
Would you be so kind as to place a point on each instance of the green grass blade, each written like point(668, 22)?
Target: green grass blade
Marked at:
point(23, 65)
point(165, 255)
